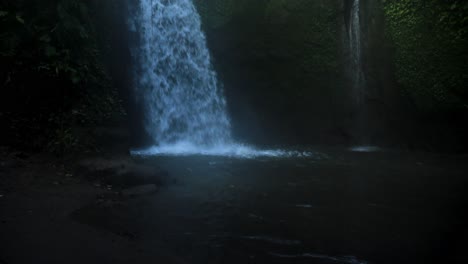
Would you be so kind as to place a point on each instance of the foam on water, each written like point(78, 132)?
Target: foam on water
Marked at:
point(231, 150)
point(365, 149)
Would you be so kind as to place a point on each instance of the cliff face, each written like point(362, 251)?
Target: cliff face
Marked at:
point(289, 73)
point(371, 118)
point(286, 65)
point(280, 62)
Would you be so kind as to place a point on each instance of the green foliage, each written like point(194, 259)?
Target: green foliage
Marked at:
point(63, 141)
point(51, 74)
point(52, 38)
point(430, 39)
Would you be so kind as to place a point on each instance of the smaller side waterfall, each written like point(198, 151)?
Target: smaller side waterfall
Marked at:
point(361, 128)
point(355, 48)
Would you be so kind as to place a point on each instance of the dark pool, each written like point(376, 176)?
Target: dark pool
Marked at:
point(337, 206)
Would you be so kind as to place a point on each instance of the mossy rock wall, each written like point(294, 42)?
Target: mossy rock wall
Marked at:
point(281, 63)
point(430, 41)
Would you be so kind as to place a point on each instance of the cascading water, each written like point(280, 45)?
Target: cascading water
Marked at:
point(355, 48)
point(184, 106)
point(358, 78)
point(180, 90)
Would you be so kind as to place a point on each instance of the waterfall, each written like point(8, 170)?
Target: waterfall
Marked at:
point(185, 109)
point(362, 131)
point(355, 48)
point(177, 84)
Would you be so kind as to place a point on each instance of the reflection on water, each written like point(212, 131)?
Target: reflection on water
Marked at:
point(366, 149)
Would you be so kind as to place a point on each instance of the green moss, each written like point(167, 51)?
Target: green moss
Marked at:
point(430, 40)
point(297, 39)
point(52, 71)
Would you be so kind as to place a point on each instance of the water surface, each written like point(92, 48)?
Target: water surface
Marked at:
point(336, 206)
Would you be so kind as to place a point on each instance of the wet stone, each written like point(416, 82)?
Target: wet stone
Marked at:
point(140, 190)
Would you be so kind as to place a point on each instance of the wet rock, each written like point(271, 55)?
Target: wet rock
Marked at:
point(140, 190)
point(127, 234)
point(140, 175)
point(21, 155)
point(11, 164)
point(121, 173)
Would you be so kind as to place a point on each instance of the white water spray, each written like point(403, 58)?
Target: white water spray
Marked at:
point(184, 106)
point(178, 86)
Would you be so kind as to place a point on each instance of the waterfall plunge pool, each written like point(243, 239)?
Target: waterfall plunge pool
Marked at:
point(333, 207)
point(232, 150)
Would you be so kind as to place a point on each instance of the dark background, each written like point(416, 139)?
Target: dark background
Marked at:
point(66, 70)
